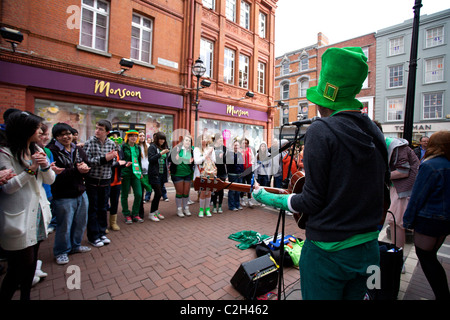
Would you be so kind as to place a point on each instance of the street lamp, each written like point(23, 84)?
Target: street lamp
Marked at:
point(198, 70)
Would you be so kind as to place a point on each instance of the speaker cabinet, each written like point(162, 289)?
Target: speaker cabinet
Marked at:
point(256, 277)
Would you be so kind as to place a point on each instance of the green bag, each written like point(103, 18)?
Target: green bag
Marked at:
point(295, 251)
point(247, 238)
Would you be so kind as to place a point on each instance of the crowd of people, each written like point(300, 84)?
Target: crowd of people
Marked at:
point(70, 186)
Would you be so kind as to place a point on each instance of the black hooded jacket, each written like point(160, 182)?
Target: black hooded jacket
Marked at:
point(343, 192)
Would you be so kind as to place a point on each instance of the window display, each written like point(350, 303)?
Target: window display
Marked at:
point(84, 117)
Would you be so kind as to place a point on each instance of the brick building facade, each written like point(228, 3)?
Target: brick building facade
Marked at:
point(299, 70)
point(67, 66)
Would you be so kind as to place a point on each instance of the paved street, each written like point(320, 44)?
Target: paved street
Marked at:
point(187, 258)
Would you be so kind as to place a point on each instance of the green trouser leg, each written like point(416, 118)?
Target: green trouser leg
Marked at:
point(279, 201)
point(135, 183)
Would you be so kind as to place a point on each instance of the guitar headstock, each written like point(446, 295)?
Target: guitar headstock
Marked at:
point(208, 184)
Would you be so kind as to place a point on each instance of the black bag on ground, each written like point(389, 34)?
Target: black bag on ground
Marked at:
point(268, 246)
point(391, 263)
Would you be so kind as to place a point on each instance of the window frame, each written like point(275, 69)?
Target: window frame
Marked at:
point(392, 46)
point(430, 41)
point(94, 9)
point(142, 29)
point(230, 10)
point(441, 106)
point(390, 82)
point(261, 77)
point(440, 71)
point(229, 61)
point(284, 94)
point(244, 71)
point(262, 25)
point(395, 100)
point(210, 4)
point(208, 61)
point(244, 22)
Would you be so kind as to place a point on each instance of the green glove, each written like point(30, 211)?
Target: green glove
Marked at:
point(279, 201)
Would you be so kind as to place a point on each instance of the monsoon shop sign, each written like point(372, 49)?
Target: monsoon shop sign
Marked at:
point(105, 88)
point(236, 112)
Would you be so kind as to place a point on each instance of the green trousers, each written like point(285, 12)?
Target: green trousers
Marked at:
point(338, 275)
point(135, 183)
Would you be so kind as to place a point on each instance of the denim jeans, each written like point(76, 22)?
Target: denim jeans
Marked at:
point(97, 213)
point(71, 218)
point(233, 196)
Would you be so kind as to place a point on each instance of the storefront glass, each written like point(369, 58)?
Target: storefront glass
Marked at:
point(233, 130)
point(84, 117)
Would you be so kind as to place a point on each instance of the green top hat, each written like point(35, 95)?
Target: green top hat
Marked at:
point(341, 77)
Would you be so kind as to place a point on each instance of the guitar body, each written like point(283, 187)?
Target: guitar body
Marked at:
point(295, 186)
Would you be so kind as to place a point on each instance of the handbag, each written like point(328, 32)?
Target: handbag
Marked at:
point(391, 263)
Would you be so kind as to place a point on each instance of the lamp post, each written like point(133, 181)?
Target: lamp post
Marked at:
point(411, 89)
point(198, 70)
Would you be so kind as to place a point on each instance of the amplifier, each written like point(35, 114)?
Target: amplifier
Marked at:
point(256, 277)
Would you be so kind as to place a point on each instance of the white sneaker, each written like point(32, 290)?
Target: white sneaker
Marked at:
point(35, 281)
point(190, 202)
point(186, 211)
point(97, 243)
point(180, 212)
point(153, 216)
point(105, 240)
point(159, 215)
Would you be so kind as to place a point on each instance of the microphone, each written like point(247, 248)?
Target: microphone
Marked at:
point(302, 122)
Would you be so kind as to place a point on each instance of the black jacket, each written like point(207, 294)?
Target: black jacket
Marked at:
point(343, 193)
point(153, 165)
point(70, 182)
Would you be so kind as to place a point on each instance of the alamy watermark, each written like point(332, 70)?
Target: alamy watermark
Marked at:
point(73, 22)
point(73, 281)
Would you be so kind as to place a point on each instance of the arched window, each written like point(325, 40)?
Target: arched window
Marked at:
point(303, 85)
point(284, 93)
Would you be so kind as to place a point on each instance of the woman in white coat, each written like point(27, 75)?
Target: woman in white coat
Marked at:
point(24, 208)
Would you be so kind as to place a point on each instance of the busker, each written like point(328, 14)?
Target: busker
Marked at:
point(345, 160)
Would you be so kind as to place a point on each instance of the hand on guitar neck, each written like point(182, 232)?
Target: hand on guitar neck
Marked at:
point(295, 186)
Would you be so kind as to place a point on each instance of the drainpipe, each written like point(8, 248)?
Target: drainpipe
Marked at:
point(190, 60)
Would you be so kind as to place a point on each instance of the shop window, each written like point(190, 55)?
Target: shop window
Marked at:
point(232, 131)
point(84, 117)
point(94, 24)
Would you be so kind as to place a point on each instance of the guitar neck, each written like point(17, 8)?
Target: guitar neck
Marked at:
point(246, 188)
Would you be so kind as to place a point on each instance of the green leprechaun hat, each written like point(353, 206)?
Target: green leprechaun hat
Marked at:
point(341, 77)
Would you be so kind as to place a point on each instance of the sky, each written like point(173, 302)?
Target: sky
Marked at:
point(297, 22)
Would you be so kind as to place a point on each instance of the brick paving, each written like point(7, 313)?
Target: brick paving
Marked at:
point(187, 258)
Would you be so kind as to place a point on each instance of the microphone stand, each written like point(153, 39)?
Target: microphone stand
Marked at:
point(282, 213)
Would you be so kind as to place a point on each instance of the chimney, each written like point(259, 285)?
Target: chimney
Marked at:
point(322, 40)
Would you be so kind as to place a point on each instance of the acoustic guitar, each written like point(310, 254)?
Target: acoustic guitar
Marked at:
point(295, 186)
